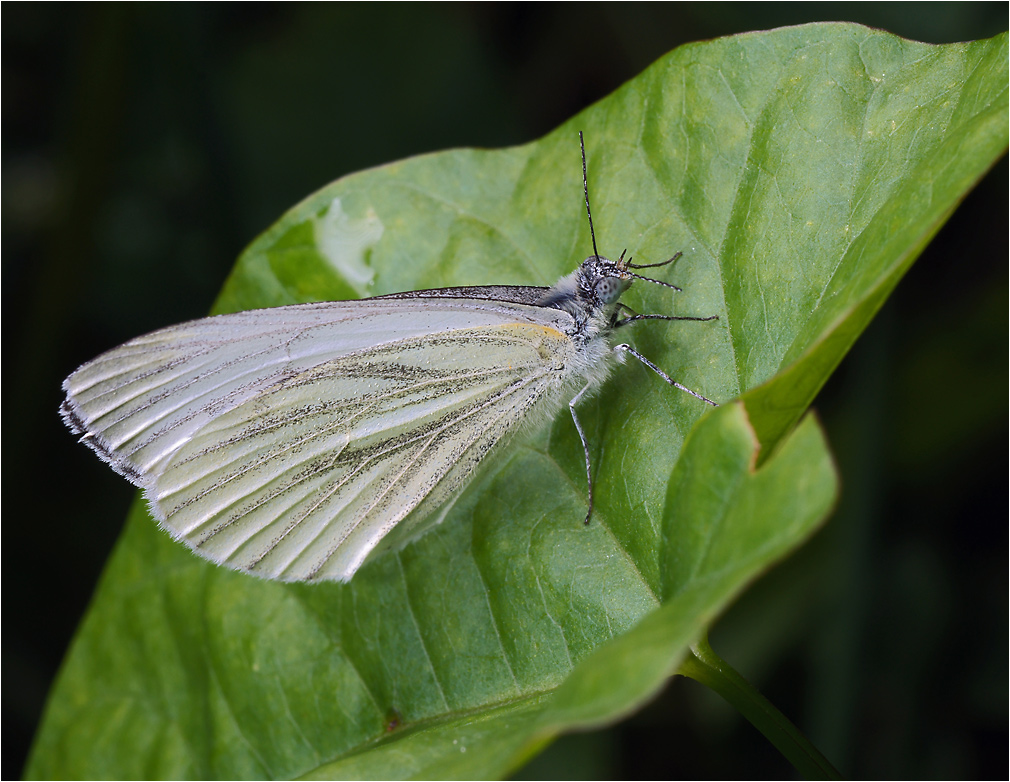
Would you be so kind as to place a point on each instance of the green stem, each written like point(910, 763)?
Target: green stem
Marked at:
point(705, 666)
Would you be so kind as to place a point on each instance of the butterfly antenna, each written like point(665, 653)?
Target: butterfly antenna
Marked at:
point(585, 189)
point(631, 265)
point(649, 279)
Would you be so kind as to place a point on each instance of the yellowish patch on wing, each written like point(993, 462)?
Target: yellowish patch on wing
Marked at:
point(550, 344)
point(532, 330)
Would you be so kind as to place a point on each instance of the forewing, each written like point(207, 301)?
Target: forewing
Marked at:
point(288, 442)
point(514, 294)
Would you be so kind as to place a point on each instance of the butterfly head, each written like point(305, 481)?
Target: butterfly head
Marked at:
point(601, 281)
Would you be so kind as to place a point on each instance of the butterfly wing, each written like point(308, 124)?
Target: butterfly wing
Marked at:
point(290, 442)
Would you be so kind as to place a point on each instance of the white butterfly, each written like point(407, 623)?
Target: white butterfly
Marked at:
point(294, 443)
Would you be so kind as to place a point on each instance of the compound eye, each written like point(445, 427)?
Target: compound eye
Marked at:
point(609, 289)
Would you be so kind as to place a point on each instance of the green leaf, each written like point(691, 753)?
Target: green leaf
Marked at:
point(800, 171)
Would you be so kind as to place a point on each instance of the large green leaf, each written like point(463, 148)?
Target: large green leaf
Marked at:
point(800, 171)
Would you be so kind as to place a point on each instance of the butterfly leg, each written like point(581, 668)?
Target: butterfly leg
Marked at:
point(634, 316)
point(585, 447)
point(628, 349)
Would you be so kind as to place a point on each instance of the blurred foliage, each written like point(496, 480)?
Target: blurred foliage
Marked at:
point(140, 137)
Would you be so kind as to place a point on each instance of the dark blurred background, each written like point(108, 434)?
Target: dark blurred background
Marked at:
point(139, 138)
